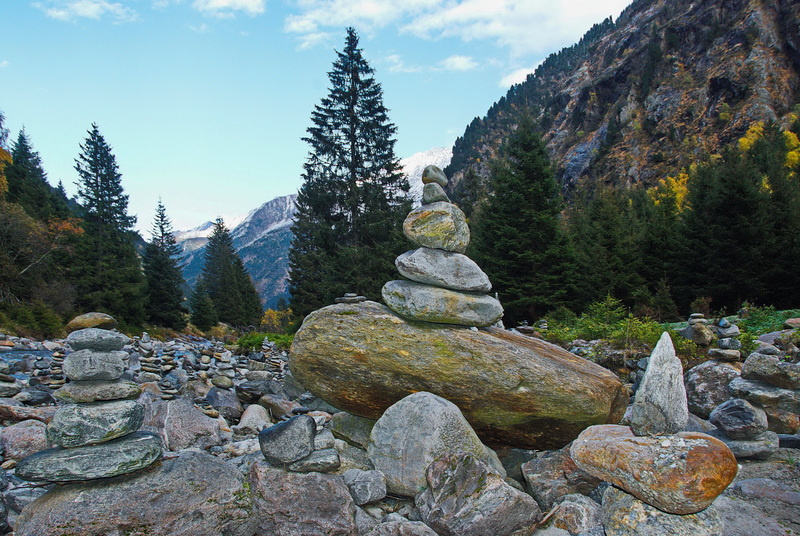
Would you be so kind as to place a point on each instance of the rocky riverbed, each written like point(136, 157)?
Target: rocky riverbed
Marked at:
point(220, 417)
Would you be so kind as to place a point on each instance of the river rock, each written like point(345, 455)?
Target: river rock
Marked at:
point(739, 419)
point(401, 528)
point(254, 419)
point(352, 428)
point(91, 320)
point(418, 301)
point(94, 391)
point(660, 406)
point(179, 424)
point(443, 269)
point(707, 386)
point(117, 457)
point(288, 441)
point(414, 432)
point(765, 395)
point(99, 340)
point(87, 365)
point(465, 497)
point(769, 369)
point(781, 421)
point(433, 175)
point(679, 474)
point(554, 475)
point(23, 439)
point(433, 193)
point(577, 514)
point(365, 486)
point(226, 402)
point(301, 504)
point(698, 333)
point(514, 390)
point(625, 515)
point(760, 447)
point(191, 494)
point(320, 461)
point(438, 225)
point(77, 425)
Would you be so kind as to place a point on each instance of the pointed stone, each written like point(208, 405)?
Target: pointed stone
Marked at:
point(661, 406)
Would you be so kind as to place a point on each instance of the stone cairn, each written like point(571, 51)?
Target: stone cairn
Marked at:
point(443, 285)
point(728, 345)
point(95, 432)
point(697, 330)
point(661, 475)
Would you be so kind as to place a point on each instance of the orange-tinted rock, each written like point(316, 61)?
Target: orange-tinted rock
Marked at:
point(679, 474)
point(91, 320)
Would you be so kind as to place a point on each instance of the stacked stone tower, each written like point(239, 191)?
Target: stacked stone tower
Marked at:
point(95, 432)
point(443, 285)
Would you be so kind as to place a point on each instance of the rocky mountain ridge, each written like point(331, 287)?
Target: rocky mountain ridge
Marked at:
point(638, 99)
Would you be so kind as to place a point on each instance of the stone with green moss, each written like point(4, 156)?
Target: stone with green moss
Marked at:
point(418, 301)
point(438, 225)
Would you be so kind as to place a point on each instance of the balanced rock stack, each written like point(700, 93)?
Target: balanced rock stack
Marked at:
point(665, 479)
point(444, 285)
point(697, 331)
point(728, 344)
point(95, 433)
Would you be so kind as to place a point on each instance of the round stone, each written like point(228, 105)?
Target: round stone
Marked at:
point(739, 419)
point(438, 225)
point(443, 269)
point(432, 174)
point(91, 320)
point(432, 193)
point(417, 301)
point(100, 340)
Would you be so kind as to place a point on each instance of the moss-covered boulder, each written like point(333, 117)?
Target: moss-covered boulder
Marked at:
point(513, 390)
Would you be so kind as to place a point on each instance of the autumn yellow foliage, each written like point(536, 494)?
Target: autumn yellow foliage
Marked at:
point(671, 188)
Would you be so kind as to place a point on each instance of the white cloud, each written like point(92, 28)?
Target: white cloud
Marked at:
point(458, 63)
point(517, 76)
point(203, 28)
point(72, 10)
point(228, 8)
point(396, 65)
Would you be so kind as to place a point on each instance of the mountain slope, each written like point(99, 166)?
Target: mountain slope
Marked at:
point(638, 99)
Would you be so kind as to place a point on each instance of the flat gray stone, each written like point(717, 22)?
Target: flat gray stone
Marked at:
point(117, 457)
point(319, 461)
point(365, 486)
point(739, 419)
point(99, 340)
point(94, 391)
point(443, 269)
point(352, 428)
point(771, 370)
point(77, 425)
point(759, 447)
point(417, 301)
point(765, 395)
point(660, 406)
point(288, 441)
point(88, 365)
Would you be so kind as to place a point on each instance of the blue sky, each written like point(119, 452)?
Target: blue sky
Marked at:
point(204, 102)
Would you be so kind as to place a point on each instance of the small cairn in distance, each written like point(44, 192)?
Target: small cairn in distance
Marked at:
point(443, 285)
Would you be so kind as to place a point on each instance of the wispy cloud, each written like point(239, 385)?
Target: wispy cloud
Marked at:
point(397, 65)
point(203, 28)
point(4, 64)
point(229, 8)
point(517, 76)
point(458, 63)
point(72, 10)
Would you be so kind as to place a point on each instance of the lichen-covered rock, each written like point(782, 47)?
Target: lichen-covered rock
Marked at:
point(577, 514)
point(94, 391)
point(465, 497)
point(443, 269)
point(77, 425)
point(438, 225)
point(514, 390)
point(625, 515)
point(679, 474)
point(413, 433)
point(192, 494)
point(91, 320)
point(555, 475)
point(707, 385)
point(417, 301)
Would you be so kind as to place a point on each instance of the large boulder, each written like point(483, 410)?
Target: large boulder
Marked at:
point(514, 390)
point(413, 433)
point(192, 494)
point(296, 504)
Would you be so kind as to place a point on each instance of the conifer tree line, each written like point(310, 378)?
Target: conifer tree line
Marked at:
point(726, 229)
point(60, 257)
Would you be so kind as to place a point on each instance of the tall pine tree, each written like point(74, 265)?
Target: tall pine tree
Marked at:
point(227, 282)
point(350, 209)
point(107, 270)
point(517, 238)
point(163, 275)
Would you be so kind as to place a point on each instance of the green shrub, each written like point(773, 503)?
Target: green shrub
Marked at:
point(760, 320)
point(283, 340)
point(251, 341)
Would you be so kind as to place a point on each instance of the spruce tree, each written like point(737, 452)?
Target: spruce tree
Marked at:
point(163, 275)
point(517, 238)
point(203, 314)
point(351, 206)
point(27, 182)
point(227, 282)
point(106, 270)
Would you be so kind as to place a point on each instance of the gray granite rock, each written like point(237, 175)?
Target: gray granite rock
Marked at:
point(94, 391)
point(438, 225)
point(78, 425)
point(226, 402)
point(320, 461)
point(739, 419)
point(415, 431)
point(729, 343)
point(117, 457)
point(88, 365)
point(99, 340)
point(707, 385)
point(365, 486)
point(466, 497)
point(554, 475)
point(401, 528)
point(433, 175)
point(759, 447)
point(352, 428)
point(577, 514)
point(721, 354)
point(765, 395)
point(288, 441)
point(433, 193)
point(417, 301)
point(660, 406)
point(771, 370)
point(443, 269)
